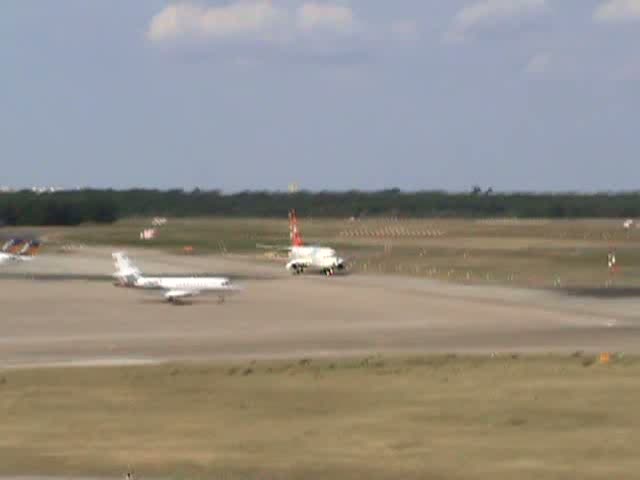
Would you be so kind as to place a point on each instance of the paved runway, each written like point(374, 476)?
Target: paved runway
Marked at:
point(62, 309)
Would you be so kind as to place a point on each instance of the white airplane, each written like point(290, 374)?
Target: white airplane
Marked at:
point(310, 257)
point(175, 288)
point(24, 254)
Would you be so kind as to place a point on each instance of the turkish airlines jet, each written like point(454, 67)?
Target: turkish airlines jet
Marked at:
point(310, 257)
point(12, 252)
point(174, 289)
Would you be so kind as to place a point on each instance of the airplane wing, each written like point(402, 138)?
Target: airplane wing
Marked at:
point(178, 294)
point(273, 247)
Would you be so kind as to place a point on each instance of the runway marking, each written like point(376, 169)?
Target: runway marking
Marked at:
point(88, 362)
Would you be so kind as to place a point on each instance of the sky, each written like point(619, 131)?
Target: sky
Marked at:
point(535, 95)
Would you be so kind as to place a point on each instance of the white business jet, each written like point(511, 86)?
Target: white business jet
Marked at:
point(175, 289)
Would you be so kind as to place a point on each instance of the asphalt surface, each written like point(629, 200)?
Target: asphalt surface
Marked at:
point(62, 309)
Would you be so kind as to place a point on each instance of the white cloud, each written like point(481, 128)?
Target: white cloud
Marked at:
point(250, 29)
point(189, 20)
point(538, 64)
point(484, 13)
point(314, 16)
point(617, 11)
point(258, 19)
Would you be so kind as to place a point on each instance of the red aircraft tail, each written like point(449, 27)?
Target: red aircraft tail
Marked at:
point(294, 233)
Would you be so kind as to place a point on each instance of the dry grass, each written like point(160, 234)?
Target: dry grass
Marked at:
point(540, 253)
point(433, 417)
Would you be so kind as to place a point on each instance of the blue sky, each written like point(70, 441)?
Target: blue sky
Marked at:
point(368, 94)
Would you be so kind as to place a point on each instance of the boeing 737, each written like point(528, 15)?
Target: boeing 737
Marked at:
point(310, 257)
point(174, 289)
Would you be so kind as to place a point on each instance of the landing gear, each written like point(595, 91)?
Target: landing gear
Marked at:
point(220, 299)
point(175, 301)
point(329, 272)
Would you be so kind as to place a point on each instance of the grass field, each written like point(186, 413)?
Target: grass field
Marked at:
point(539, 253)
point(424, 417)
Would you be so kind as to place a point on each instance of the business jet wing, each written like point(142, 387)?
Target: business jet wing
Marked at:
point(178, 294)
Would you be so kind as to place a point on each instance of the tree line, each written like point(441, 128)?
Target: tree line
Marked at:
point(58, 208)
point(106, 206)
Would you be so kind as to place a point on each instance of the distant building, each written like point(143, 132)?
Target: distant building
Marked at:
point(148, 234)
point(294, 187)
point(40, 190)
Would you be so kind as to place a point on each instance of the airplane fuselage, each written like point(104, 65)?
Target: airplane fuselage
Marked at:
point(318, 258)
point(177, 288)
point(200, 284)
point(9, 257)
